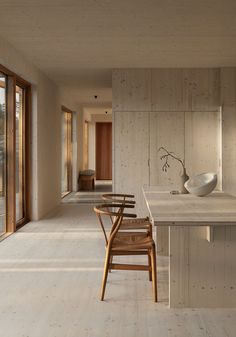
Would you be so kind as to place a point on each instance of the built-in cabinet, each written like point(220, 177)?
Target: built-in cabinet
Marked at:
point(193, 113)
point(175, 108)
point(228, 101)
point(166, 89)
point(131, 154)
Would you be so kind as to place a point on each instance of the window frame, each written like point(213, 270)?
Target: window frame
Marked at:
point(13, 80)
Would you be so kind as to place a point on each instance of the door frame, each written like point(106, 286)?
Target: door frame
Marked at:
point(103, 122)
point(69, 149)
point(13, 80)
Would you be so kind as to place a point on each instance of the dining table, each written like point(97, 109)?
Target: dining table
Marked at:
point(198, 235)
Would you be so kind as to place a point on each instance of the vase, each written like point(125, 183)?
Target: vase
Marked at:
point(183, 178)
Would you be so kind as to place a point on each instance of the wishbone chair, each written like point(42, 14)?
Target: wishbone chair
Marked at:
point(129, 224)
point(125, 244)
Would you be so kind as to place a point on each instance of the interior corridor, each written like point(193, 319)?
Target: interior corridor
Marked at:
point(89, 197)
point(50, 278)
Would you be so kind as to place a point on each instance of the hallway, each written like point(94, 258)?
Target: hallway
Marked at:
point(45, 265)
point(89, 197)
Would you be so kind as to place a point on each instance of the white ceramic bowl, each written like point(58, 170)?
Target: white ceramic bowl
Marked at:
point(201, 184)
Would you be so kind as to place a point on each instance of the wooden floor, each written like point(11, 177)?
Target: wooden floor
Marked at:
point(50, 278)
point(94, 196)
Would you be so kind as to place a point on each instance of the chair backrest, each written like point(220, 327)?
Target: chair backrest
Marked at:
point(117, 215)
point(118, 198)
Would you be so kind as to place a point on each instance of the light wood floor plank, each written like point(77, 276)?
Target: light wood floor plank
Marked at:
point(50, 278)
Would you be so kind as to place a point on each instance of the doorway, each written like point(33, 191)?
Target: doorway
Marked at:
point(66, 178)
point(104, 151)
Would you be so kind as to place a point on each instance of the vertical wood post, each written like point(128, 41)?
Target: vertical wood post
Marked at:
point(10, 156)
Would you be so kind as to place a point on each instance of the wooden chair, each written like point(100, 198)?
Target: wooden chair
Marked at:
point(129, 224)
point(137, 224)
point(129, 243)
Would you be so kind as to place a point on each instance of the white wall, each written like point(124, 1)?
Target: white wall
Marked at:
point(46, 131)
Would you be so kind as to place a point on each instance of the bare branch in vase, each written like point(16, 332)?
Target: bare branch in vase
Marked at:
point(166, 157)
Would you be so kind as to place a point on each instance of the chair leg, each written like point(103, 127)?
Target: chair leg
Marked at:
point(150, 266)
point(105, 272)
point(154, 272)
point(111, 259)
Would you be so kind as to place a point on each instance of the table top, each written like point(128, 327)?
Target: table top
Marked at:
point(166, 209)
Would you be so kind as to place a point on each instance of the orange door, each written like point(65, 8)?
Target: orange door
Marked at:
point(104, 151)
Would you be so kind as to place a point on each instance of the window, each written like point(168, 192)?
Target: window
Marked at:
point(2, 154)
point(20, 174)
point(14, 150)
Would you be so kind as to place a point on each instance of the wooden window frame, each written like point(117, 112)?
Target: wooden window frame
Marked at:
point(13, 80)
point(26, 151)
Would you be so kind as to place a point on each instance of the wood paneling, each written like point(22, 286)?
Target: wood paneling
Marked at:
point(167, 130)
point(193, 136)
point(201, 89)
point(185, 89)
point(185, 117)
point(178, 266)
point(103, 151)
point(182, 113)
point(131, 90)
point(203, 274)
point(131, 155)
point(229, 148)
point(228, 86)
point(202, 143)
point(167, 90)
point(228, 98)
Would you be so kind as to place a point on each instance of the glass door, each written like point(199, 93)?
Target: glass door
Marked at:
point(2, 154)
point(14, 151)
point(19, 154)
